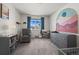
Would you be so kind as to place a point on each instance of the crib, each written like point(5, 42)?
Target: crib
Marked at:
point(69, 51)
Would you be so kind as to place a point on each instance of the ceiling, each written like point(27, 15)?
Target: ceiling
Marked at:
point(38, 8)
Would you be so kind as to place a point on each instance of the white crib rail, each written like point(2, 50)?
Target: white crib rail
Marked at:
point(69, 51)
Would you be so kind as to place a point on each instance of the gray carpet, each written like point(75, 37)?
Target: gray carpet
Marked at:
point(36, 47)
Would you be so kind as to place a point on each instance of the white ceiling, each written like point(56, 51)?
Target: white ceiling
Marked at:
point(38, 8)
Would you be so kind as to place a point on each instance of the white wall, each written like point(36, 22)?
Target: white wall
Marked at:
point(47, 23)
point(23, 19)
point(18, 19)
point(8, 26)
point(53, 21)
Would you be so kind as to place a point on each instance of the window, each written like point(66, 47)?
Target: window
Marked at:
point(35, 24)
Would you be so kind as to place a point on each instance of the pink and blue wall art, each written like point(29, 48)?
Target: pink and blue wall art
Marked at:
point(67, 21)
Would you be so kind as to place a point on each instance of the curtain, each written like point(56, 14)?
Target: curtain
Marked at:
point(28, 22)
point(42, 23)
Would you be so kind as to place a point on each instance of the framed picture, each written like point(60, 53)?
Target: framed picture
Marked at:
point(5, 12)
point(0, 10)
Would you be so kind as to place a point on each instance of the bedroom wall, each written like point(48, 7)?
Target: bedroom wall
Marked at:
point(8, 26)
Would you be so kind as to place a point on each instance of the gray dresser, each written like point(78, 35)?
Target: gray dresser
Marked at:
point(64, 40)
point(7, 45)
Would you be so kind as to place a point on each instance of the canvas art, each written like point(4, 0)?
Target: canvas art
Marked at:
point(0, 10)
point(5, 12)
point(67, 21)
